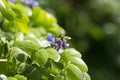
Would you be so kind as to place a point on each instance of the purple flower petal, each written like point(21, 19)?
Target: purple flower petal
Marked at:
point(51, 38)
point(66, 45)
point(34, 4)
point(59, 43)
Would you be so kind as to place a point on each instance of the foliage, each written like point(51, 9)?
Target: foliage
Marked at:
point(94, 26)
point(25, 51)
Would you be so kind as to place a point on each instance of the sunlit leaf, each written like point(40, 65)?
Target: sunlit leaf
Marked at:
point(20, 77)
point(22, 27)
point(11, 78)
point(56, 29)
point(40, 20)
point(87, 76)
point(21, 68)
point(71, 53)
point(35, 12)
point(53, 70)
point(79, 63)
point(73, 72)
point(9, 14)
point(2, 6)
point(50, 19)
point(19, 36)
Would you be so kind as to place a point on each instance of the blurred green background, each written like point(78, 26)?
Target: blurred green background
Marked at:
point(94, 26)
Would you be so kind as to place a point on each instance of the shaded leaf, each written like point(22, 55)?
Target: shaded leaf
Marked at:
point(40, 57)
point(53, 54)
point(27, 46)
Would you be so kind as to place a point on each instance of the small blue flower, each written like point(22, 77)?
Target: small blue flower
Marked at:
point(83, 76)
point(31, 3)
point(66, 45)
point(51, 38)
point(59, 43)
point(12, 1)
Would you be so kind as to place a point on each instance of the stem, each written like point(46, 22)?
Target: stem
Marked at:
point(3, 60)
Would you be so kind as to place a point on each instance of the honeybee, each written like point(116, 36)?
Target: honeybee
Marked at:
point(63, 38)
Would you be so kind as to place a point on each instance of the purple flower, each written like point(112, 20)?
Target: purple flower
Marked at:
point(59, 43)
point(83, 76)
point(12, 1)
point(51, 38)
point(31, 3)
point(66, 45)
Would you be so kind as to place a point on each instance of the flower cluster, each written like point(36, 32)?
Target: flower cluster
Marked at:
point(31, 3)
point(59, 42)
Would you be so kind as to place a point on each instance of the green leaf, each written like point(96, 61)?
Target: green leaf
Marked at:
point(3, 67)
point(21, 68)
point(27, 10)
point(56, 29)
point(79, 63)
point(9, 14)
point(20, 77)
point(0, 16)
point(71, 53)
point(50, 19)
point(6, 48)
point(38, 31)
point(27, 46)
point(23, 27)
point(34, 74)
point(58, 65)
point(53, 70)
point(1, 47)
point(59, 77)
point(19, 54)
point(11, 78)
point(40, 57)
point(40, 20)
point(18, 10)
point(35, 12)
point(19, 36)
point(53, 54)
point(73, 72)
point(2, 6)
point(87, 76)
